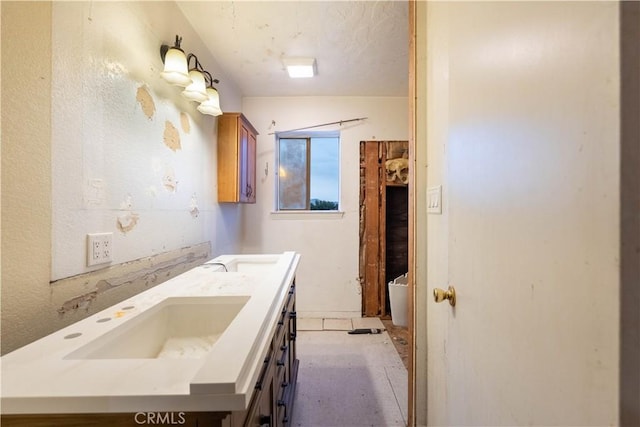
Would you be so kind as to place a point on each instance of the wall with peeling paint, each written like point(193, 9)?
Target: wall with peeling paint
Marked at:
point(95, 141)
point(327, 278)
point(138, 159)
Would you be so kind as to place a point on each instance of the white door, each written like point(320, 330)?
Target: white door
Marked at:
point(523, 135)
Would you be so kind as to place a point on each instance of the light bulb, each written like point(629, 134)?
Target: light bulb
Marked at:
point(175, 68)
point(212, 105)
point(196, 91)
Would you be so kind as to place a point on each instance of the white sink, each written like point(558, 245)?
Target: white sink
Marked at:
point(177, 328)
point(217, 327)
point(245, 263)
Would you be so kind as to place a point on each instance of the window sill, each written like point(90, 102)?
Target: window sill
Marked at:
point(307, 215)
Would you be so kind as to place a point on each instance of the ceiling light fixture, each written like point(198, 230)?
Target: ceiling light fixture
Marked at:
point(300, 67)
point(197, 82)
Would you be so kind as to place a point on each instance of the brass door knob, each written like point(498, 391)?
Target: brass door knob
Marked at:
point(440, 295)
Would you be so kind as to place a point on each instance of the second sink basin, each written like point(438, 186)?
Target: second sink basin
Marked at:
point(177, 328)
point(245, 263)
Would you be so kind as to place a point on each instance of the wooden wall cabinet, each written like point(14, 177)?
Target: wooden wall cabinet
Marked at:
point(236, 159)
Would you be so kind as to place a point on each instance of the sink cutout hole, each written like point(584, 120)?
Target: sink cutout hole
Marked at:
point(104, 319)
point(74, 335)
point(129, 307)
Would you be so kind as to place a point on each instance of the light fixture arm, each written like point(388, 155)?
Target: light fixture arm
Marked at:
point(210, 80)
point(165, 47)
point(197, 66)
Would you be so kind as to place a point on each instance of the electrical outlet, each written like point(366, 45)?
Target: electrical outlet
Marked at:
point(99, 248)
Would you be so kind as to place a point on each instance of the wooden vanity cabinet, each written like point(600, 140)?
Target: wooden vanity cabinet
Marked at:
point(272, 402)
point(236, 159)
point(260, 412)
point(286, 363)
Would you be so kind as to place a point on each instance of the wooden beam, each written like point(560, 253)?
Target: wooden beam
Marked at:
point(382, 236)
point(372, 230)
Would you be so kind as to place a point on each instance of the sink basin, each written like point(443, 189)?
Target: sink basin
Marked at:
point(177, 328)
point(246, 263)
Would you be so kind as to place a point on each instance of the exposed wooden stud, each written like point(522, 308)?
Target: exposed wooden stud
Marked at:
point(371, 290)
point(374, 272)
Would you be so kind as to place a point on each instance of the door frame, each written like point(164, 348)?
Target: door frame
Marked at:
point(629, 214)
point(412, 296)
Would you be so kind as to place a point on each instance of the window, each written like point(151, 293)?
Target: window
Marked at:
point(308, 171)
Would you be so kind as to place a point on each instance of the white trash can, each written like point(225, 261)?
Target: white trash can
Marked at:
point(398, 289)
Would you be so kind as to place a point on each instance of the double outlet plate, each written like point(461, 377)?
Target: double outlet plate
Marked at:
point(99, 248)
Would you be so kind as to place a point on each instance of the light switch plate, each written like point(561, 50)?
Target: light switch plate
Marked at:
point(434, 200)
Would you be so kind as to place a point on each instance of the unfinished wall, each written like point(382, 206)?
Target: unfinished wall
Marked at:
point(95, 141)
point(327, 278)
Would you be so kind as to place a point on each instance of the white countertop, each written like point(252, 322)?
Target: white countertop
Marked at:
point(42, 378)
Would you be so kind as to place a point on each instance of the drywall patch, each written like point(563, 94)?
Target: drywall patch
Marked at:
point(94, 193)
point(171, 136)
point(193, 206)
point(145, 100)
point(128, 219)
point(152, 191)
point(185, 123)
point(169, 180)
point(80, 302)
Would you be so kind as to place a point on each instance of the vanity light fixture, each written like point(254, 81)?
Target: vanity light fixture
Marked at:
point(300, 67)
point(211, 105)
point(197, 82)
point(176, 70)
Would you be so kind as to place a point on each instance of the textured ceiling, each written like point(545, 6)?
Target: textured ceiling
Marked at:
point(361, 47)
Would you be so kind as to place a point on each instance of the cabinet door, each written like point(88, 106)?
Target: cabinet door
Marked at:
point(236, 159)
point(247, 165)
point(260, 413)
point(243, 166)
point(251, 167)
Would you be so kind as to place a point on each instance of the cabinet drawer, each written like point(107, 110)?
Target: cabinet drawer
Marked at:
point(282, 361)
point(282, 406)
point(281, 328)
point(265, 375)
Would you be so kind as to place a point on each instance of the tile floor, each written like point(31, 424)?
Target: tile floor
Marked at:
point(348, 380)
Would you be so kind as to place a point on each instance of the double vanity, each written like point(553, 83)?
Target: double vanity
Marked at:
point(214, 346)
